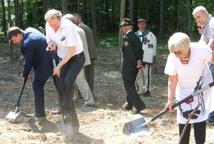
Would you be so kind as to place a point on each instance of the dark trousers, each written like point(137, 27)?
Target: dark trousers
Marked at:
point(199, 132)
point(68, 76)
point(38, 89)
point(133, 98)
point(89, 75)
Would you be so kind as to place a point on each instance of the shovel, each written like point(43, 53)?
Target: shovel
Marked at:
point(13, 116)
point(140, 126)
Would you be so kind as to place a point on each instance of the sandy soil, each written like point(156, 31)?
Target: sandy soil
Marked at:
point(102, 124)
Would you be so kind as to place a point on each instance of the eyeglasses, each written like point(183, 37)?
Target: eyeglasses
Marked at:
point(177, 53)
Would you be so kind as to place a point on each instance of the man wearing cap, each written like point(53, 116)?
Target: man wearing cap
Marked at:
point(132, 62)
point(149, 42)
point(206, 20)
point(33, 47)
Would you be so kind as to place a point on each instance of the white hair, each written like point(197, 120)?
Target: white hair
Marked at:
point(53, 13)
point(179, 42)
point(69, 17)
point(200, 9)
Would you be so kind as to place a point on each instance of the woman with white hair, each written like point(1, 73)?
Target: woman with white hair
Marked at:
point(187, 69)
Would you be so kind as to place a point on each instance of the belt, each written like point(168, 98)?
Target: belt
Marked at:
point(76, 56)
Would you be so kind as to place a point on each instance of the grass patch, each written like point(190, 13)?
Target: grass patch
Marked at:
point(108, 40)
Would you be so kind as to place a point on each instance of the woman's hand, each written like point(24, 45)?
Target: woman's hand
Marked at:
point(169, 105)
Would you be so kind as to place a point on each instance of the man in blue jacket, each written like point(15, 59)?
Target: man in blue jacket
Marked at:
point(33, 47)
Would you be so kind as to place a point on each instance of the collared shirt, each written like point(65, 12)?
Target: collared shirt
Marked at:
point(65, 37)
point(208, 31)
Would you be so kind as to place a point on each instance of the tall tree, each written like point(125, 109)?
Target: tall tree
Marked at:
point(4, 18)
point(189, 15)
point(161, 18)
point(122, 15)
point(64, 6)
point(93, 14)
point(46, 4)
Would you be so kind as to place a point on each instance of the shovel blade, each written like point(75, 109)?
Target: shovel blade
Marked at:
point(134, 127)
point(13, 116)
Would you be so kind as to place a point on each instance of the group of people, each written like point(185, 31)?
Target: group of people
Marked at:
point(67, 52)
point(139, 52)
point(72, 43)
point(189, 68)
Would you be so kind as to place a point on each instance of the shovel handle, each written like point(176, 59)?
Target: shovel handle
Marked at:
point(22, 90)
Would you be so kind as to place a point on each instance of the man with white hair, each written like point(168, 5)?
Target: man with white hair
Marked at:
point(70, 52)
point(205, 20)
point(81, 81)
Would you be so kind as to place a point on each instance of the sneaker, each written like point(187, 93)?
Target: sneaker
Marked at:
point(127, 106)
point(147, 93)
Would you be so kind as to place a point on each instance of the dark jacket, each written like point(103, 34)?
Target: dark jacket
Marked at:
point(132, 51)
point(33, 48)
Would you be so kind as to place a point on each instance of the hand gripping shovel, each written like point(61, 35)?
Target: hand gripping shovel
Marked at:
point(140, 126)
point(13, 116)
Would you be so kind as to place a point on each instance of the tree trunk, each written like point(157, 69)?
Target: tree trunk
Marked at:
point(122, 14)
point(131, 10)
point(112, 16)
point(93, 14)
point(189, 14)
point(4, 19)
point(64, 6)
point(46, 5)
point(17, 13)
point(161, 18)
point(9, 25)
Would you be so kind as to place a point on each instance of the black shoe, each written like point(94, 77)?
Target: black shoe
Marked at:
point(138, 111)
point(147, 93)
point(127, 106)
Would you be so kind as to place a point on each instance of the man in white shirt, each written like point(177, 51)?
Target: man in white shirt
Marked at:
point(70, 52)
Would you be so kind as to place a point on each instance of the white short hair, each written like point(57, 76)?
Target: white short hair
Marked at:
point(69, 17)
point(53, 13)
point(179, 42)
point(200, 9)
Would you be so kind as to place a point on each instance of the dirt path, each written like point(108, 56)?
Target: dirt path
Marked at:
point(99, 125)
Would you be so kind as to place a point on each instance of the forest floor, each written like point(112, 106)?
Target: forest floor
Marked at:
point(102, 124)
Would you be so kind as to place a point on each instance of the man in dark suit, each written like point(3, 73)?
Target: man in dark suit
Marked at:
point(89, 69)
point(132, 62)
point(33, 47)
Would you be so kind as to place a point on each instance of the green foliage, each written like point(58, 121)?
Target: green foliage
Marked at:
point(108, 40)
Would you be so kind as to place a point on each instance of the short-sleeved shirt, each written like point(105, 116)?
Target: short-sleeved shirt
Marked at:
point(66, 36)
point(188, 76)
point(208, 31)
